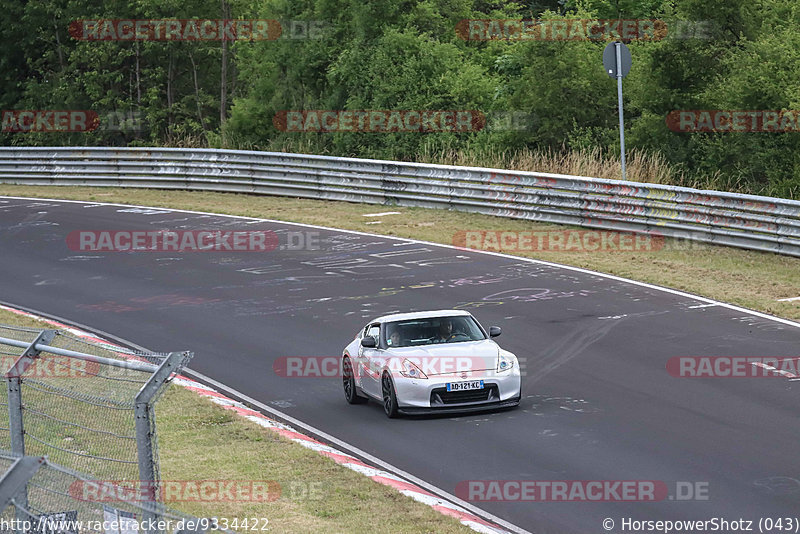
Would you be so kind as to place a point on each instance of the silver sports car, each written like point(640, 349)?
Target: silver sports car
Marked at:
point(430, 362)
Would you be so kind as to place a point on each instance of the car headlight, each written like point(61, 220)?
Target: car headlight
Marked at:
point(409, 370)
point(505, 362)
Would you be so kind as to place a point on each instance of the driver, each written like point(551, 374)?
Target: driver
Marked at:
point(445, 332)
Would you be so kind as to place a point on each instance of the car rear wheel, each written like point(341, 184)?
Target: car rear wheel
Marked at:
point(349, 384)
point(389, 397)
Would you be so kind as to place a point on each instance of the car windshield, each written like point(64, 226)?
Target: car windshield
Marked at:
point(432, 330)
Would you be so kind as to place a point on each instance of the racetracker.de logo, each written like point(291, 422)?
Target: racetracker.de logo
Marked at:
point(174, 30)
point(379, 121)
point(561, 30)
point(562, 490)
point(49, 366)
point(208, 491)
point(172, 241)
point(557, 241)
point(722, 120)
point(733, 367)
point(419, 367)
point(43, 120)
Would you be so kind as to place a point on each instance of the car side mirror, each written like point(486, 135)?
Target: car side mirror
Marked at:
point(369, 342)
point(495, 331)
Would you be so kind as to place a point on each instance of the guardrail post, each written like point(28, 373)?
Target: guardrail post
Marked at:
point(145, 449)
point(16, 428)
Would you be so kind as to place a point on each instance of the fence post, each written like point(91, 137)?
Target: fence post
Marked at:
point(143, 409)
point(16, 428)
point(15, 480)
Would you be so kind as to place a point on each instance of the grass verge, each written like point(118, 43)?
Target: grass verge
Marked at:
point(750, 279)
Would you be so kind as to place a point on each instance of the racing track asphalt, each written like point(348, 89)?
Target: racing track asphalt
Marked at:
point(598, 403)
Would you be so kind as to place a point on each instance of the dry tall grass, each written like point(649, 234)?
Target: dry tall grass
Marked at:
point(641, 166)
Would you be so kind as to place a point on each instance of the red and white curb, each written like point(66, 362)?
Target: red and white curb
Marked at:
point(351, 462)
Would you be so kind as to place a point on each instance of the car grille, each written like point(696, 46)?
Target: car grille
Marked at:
point(442, 397)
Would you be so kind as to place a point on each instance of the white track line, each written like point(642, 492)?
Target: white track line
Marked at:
point(380, 214)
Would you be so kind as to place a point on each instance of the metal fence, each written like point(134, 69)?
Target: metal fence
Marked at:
point(88, 406)
point(63, 501)
point(746, 221)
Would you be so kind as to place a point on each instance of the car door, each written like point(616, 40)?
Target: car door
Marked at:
point(369, 361)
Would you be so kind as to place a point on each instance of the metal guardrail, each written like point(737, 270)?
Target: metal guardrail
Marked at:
point(745, 221)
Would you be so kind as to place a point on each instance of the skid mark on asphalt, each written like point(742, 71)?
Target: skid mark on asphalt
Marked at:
point(31, 221)
point(523, 294)
point(269, 269)
point(46, 282)
point(143, 211)
point(154, 302)
point(759, 323)
point(9, 206)
point(567, 348)
point(544, 405)
point(79, 258)
point(778, 485)
point(285, 403)
point(651, 313)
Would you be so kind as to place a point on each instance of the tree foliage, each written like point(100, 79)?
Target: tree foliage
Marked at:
point(408, 55)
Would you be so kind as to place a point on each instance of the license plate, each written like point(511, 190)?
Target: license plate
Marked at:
point(463, 386)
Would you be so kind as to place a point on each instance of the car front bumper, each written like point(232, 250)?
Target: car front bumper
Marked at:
point(461, 408)
point(429, 395)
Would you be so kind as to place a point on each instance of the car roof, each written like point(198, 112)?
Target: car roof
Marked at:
point(420, 315)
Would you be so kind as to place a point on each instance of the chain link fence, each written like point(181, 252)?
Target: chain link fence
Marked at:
point(63, 501)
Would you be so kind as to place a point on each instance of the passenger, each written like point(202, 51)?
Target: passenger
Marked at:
point(394, 338)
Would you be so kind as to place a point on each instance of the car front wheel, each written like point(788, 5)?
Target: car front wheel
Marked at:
point(389, 397)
